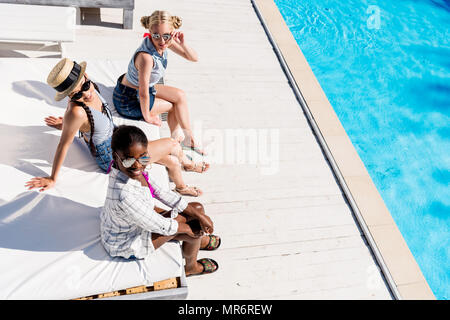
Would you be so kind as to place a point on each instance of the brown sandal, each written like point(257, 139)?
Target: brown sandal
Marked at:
point(189, 191)
point(209, 266)
point(213, 244)
point(196, 164)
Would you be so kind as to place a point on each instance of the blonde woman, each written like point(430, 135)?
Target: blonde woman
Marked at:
point(137, 94)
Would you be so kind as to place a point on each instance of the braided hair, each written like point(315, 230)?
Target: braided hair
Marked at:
point(91, 119)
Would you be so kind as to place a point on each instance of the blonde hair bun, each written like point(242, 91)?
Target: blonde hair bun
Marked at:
point(145, 22)
point(176, 22)
point(158, 17)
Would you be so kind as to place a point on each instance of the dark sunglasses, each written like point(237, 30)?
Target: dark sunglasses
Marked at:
point(165, 36)
point(86, 85)
point(128, 163)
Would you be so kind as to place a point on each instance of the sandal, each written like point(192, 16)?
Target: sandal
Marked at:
point(213, 244)
point(195, 149)
point(209, 266)
point(189, 191)
point(196, 164)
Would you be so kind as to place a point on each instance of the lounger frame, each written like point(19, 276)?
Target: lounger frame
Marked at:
point(169, 289)
point(126, 5)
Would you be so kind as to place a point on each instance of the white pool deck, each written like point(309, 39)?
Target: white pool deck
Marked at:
point(287, 230)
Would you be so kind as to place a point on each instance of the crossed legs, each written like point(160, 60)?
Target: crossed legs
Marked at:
point(190, 246)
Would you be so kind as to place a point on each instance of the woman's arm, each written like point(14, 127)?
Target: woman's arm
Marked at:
point(168, 197)
point(141, 213)
point(193, 211)
point(179, 46)
point(144, 64)
point(71, 124)
point(197, 211)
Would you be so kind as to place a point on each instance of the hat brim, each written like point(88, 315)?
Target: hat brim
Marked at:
point(61, 95)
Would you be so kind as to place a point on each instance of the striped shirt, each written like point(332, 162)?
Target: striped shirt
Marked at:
point(128, 218)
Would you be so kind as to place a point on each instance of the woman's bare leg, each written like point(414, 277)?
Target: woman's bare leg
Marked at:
point(178, 99)
point(160, 148)
point(180, 108)
point(174, 170)
point(187, 163)
point(173, 167)
point(191, 246)
point(161, 106)
point(172, 107)
point(175, 129)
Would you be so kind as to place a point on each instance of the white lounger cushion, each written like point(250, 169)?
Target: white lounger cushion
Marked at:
point(50, 242)
point(37, 23)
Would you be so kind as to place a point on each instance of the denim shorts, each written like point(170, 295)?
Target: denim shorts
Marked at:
point(103, 154)
point(126, 100)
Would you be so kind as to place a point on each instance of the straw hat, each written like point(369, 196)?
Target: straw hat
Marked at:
point(65, 77)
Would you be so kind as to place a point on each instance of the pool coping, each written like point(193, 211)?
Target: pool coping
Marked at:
point(396, 261)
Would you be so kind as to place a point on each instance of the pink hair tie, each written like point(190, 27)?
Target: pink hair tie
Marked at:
point(146, 35)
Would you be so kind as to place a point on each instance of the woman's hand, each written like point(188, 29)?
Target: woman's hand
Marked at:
point(178, 45)
point(44, 183)
point(196, 211)
point(154, 120)
point(184, 228)
point(206, 224)
point(178, 37)
point(54, 122)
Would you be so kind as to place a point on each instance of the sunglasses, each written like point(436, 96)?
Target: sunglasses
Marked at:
point(78, 95)
point(128, 162)
point(165, 36)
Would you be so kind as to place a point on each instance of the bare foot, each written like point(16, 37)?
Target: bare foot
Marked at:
point(54, 122)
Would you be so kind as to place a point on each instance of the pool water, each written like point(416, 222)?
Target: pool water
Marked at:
point(385, 68)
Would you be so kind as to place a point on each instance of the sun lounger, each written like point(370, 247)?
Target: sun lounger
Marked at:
point(126, 5)
point(36, 25)
point(50, 242)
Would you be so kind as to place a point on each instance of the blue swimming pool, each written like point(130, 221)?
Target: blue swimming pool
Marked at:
point(385, 68)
